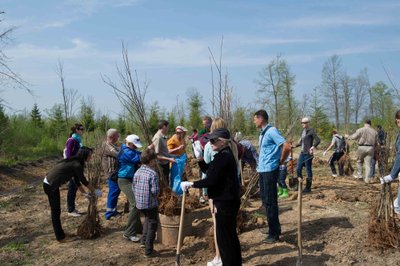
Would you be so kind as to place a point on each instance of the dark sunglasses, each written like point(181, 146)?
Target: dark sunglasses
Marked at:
point(304, 122)
point(213, 141)
point(81, 128)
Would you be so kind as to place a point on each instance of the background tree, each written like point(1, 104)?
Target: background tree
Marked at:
point(103, 123)
point(57, 122)
point(319, 120)
point(240, 120)
point(360, 93)
point(172, 122)
point(382, 101)
point(331, 76)
point(154, 117)
point(87, 114)
point(7, 76)
point(195, 102)
point(271, 85)
point(36, 117)
point(347, 87)
point(121, 125)
point(131, 95)
point(222, 92)
point(3, 124)
point(70, 96)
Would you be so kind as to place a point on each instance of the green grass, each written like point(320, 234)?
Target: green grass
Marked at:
point(14, 246)
point(5, 204)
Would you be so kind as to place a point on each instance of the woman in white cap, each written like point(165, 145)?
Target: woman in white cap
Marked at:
point(128, 163)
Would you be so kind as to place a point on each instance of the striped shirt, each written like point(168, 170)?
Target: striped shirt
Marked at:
point(145, 187)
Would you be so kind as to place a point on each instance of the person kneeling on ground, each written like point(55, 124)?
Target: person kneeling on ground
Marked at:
point(60, 174)
point(145, 188)
point(223, 187)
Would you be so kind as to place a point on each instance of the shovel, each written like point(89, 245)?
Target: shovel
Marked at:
point(178, 245)
point(292, 180)
point(299, 241)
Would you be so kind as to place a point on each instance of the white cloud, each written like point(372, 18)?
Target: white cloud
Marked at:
point(334, 21)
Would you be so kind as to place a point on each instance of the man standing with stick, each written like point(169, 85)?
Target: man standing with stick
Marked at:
point(271, 157)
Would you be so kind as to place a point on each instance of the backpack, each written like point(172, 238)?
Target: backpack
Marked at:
point(342, 144)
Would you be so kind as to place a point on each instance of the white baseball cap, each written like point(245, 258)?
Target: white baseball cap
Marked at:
point(305, 120)
point(134, 139)
point(180, 129)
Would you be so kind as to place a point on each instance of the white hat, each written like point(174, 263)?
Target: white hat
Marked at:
point(305, 120)
point(134, 139)
point(180, 129)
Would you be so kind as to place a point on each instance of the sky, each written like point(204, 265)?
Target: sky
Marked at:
point(168, 44)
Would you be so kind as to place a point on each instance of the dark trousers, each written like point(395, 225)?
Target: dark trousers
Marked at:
point(271, 202)
point(149, 228)
point(335, 158)
point(305, 159)
point(165, 171)
point(262, 193)
point(72, 188)
point(282, 178)
point(54, 200)
point(112, 198)
point(227, 238)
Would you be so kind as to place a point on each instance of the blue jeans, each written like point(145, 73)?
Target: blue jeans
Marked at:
point(71, 195)
point(112, 198)
point(271, 202)
point(304, 159)
point(282, 178)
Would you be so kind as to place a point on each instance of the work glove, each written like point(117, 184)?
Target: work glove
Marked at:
point(198, 152)
point(98, 192)
point(185, 185)
point(324, 153)
point(282, 167)
point(88, 195)
point(386, 179)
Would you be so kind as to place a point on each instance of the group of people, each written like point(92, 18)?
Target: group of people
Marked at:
point(217, 152)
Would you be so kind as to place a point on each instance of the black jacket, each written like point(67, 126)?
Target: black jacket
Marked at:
point(310, 139)
point(222, 177)
point(64, 171)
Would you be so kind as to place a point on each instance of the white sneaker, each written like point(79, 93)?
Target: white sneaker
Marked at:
point(132, 238)
point(215, 262)
point(334, 175)
point(357, 176)
point(396, 206)
point(74, 213)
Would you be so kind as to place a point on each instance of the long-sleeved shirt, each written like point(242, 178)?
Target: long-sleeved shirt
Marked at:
point(366, 136)
point(109, 157)
point(71, 147)
point(270, 142)
point(128, 162)
point(221, 177)
point(64, 171)
point(308, 139)
point(396, 167)
point(145, 188)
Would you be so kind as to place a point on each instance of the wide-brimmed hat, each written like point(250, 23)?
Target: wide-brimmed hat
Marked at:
point(180, 129)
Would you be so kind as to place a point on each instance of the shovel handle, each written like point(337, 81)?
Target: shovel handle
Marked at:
point(299, 222)
point(178, 245)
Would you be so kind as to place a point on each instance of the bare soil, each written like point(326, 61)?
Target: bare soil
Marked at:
point(335, 221)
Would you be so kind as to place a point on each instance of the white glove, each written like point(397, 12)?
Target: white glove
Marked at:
point(198, 151)
point(324, 154)
point(185, 185)
point(386, 179)
point(98, 192)
point(282, 167)
point(87, 195)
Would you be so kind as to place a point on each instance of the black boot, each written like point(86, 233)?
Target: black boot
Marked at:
point(308, 186)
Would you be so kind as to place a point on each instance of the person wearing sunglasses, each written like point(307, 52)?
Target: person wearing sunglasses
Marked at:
point(73, 145)
point(308, 141)
point(223, 188)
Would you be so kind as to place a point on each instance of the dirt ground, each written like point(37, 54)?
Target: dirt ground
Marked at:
point(335, 221)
